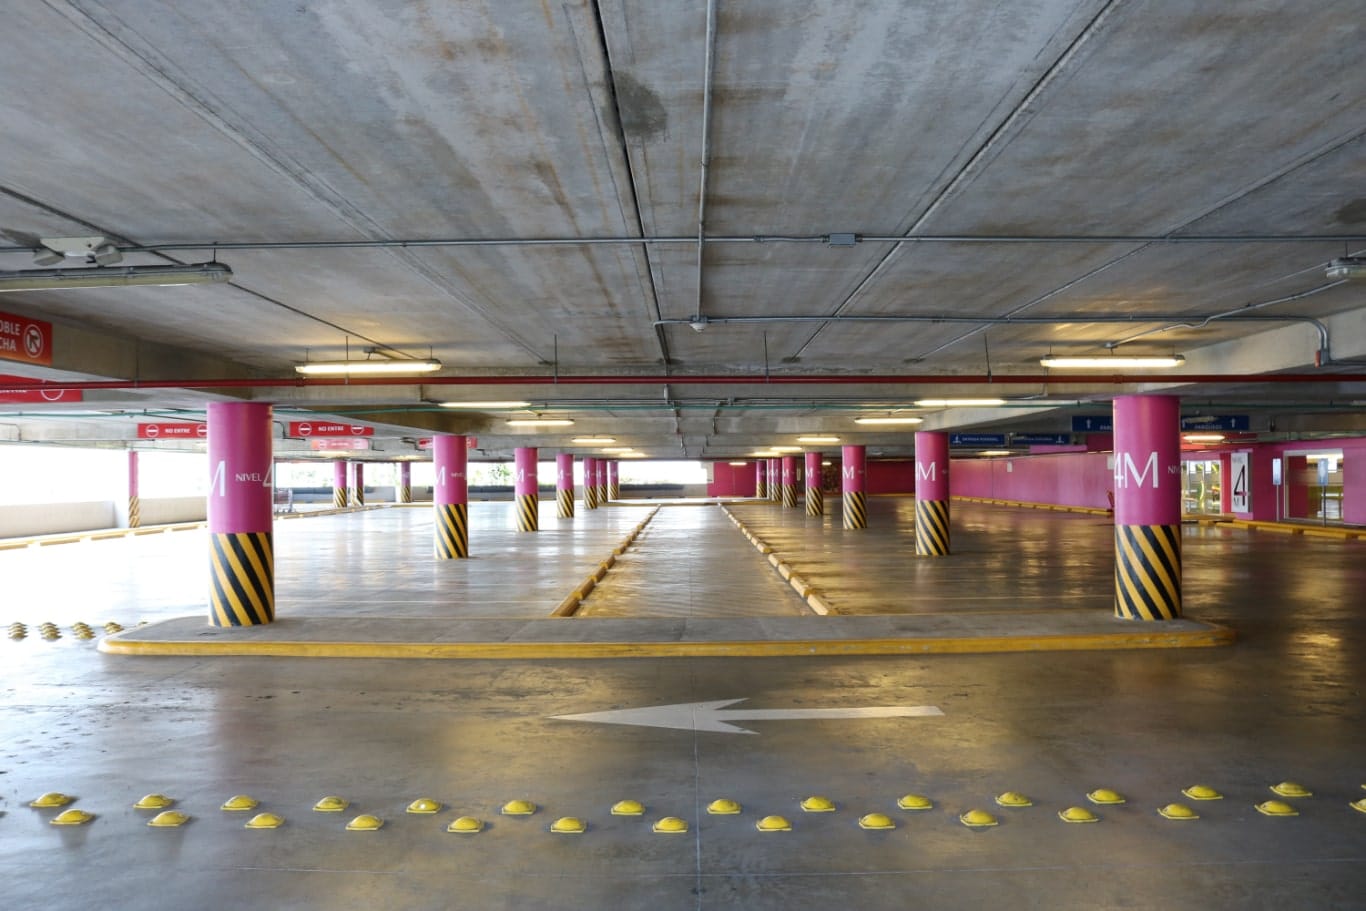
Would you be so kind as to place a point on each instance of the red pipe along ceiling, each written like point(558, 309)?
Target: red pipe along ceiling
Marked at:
point(842, 379)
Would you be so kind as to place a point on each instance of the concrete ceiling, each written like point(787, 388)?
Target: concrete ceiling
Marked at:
point(1043, 175)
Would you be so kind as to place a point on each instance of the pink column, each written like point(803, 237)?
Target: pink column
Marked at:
point(613, 480)
point(760, 478)
point(854, 486)
point(815, 499)
point(451, 496)
point(775, 480)
point(790, 482)
point(528, 495)
point(564, 484)
point(590, 483)
point(600, 480)
point(358, 488)
point(134, 503)
point(405, 482)
point(1147, 507)
point(931, 494)
point(339, 495)
point(242, 553)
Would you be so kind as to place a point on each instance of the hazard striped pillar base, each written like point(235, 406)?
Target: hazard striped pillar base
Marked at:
point(1148, 572)
point(405, 493)
point(405, 482)
point(790, 496)
point(338, 497)
point(134, 505)
point(815, 502)
point(452, 531)
point(855, 509)
point(242, 578)
point(528, 508)
point(565, 500)
point(932, 528)
point(340, 494)
point(134, 512)
point(525, 485)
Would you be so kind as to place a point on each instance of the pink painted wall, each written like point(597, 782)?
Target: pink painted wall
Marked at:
point(1067, 479)
point(731, 480)
point(1354, 483)
point(891, 476)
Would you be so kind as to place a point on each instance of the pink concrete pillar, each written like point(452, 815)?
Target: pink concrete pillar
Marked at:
point(600, 480)
point(358, 486)
point(1147, 507)
point(134, 515)
point(528, 494)
point(931, 494)
point(590, 483)
point(340, 497)
point(613, 480)
point(760, 478)
point(242, 552)
point(405, 482)
point(775, 480)
point(564, 485)
point(790, 482)
point(815, 499)
point(451, 496)
point(854, 486)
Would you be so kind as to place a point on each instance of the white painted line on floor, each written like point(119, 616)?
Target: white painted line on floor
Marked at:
point(709, 716)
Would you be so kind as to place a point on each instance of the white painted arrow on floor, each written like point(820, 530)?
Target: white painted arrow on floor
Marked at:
point(709, 716)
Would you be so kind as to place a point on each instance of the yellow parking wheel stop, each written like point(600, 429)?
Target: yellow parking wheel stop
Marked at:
point(1178, 811)
point(365, 823)
point(1105, 797)
point(424, 806)
point(153, 802)
point(1276, 808)
point(914, 802)
point(240, 802)
point(818, 804)
point(52, 799)
point(168, 819)
point(1077, 814)
point(977, 819)
point(72, 818)
point(876, 821)
point(568, 825)
point(1291, 789)
point(265, 821)
point(1202, 792)
point(773, 824)
point(466, 825)
point(518, 808)
point(670, 825)
point(628, 808)
point(331, 805)
point(1013, 799)
point(723, 806)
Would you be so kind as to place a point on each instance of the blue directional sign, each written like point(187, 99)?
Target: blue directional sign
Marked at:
point(1217, 422)
point(977, 439)
point(1040, 439)
point(1100, 423)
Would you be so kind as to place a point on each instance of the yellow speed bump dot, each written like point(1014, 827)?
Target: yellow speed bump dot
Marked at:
point(71, 818)
point(818, 804)
point(1291, 789)
point(466, 825)
point(670, 825)
point(52, 799)
point(773, 824)
point(168, 819)
point(1077, 814)
point(331, 805)
point(153, 802)
point(977, 819)
point(1179, 811)
point(1276, 808)
point(518, 808)
point(568, 825)
point(876, 821)
point(1202, 792)
point(914, 802)
point(1105, 797)
point(265, 821)
point(1358, 805)
point(1013, 799)
point(628, 808)
point(365, 823)
point(424, 806)
point(112, 627)
point(240, 802)
point(723, 806)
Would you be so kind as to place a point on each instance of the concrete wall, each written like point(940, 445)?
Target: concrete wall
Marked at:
point(1066, 479)
point(167, 510)
point(56, 518)
point(731, 480)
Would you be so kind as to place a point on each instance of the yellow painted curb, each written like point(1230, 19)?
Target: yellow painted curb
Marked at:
point(574, 600)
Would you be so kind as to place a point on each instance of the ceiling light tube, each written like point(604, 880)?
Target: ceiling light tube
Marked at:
point(958, 403)
point(593, 441)
point(1203, 437)
point(1109, 362)
point(397, 367)
point(618, 450)
point(818, 439)
point(991, 453)
point(490, 405)
point(738, 464)
point(106, 277)
point(539, 422)
point(786, 448)
point(889, 420)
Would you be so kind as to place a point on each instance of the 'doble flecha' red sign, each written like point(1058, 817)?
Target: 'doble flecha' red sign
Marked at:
point(26, 340)
point(324, 429)
point(180, 431)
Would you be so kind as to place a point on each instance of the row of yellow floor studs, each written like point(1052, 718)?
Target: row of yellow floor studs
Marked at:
point(51, 631)
point(674, 825)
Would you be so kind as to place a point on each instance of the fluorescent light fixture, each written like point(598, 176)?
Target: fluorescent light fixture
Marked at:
point(764, 454)
point(1203, 437)
point(889, 420)
point(995, 452)
point(958, 403)
point(56, 279)
point(490, 405)
point(1347, 267)
point(786, 448)
point(1111, 362)
point(737, 464)
point(539, 422)
point(618, 449)
point(632, 455)
point(818, 439)
point(385, 367)
point(593, 441)
point(827, 463)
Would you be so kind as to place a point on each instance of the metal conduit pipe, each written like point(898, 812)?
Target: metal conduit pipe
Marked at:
point(744, 379)
point(708, 68)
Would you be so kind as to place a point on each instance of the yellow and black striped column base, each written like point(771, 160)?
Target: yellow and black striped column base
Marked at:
point(405, 494)
point(932, 528)
point(602, 496)
point(790, 496)
point(590, 498)
point(452, 532)
point(815, 502)
point(242, 587)
point(614, 492)
point(761, 490)
point(358, 497)
point(855, 509)
point(1148, 572)
point(528, 512)
point(565, 500)
point(338, 497)
point(134, 512)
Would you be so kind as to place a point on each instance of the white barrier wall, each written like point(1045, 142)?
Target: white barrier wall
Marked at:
point(55, 518)
point(168, 510)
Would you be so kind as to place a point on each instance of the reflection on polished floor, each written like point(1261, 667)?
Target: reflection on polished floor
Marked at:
point(1282, 704)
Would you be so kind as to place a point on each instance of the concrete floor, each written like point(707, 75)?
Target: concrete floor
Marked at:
point(1285, 702)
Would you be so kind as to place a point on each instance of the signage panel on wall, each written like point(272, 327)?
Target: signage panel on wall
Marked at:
point(333, 444)
point(26, 340)
point(186, 430)
point(1040, 439)
point(326, 429)
point(1217, 422)
point(977, 439)
point(37, 396)
point(1098, 423)
point(1239, 476)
